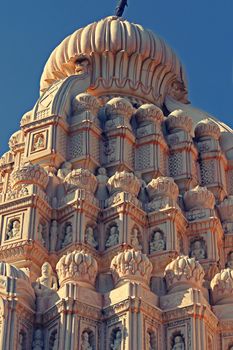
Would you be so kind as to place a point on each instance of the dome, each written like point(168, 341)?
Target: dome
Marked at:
point(123, 56)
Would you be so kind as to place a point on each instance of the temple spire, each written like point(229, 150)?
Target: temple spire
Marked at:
point(120, 8)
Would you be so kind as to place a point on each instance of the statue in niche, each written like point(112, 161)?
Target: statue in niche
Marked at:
point(45, 285)
point(135, 239)
point(22, 341)
point(40, 232)
point(102, 190)
point(90, 238)
point(38, 342)
point(39, 142)
point(157, 243)
point(198, 250)
point(53, 235)
point(148, 341)
point(85, 342)
point(113, 238)
point(65, 169)
point(53, 341)
point(230, 261)
point(178, 343)
point(13, 229)
point(116, 343)
point(68, 235)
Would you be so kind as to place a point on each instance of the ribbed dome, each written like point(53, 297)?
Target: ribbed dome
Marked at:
point(119, 52)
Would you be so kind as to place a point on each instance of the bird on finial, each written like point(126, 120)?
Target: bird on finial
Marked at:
point(120, 7)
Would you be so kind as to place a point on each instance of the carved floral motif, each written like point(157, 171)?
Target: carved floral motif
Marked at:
point(183, 272)
point(31, 174)
point(124, 182)
point(82, 179)
point(147, 113)
point(131, 265)
point(78, 267)
point(199, 197)
point(222, 286)
point(162, 187)
point(85, 102)
point(207, 129)
point(179, 120)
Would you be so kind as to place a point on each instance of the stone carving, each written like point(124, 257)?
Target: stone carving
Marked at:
point(82, 179)
point(179, 120)
point(53, 341)
point(38, 142)
point(162, 187)
point(31, 174)
point(77, 267)
point(13, 230)
point(53, 235)
point(41, 234)
point(38, 343)
point(198, 250)
point(102, 178)
point(65, 169)
point(110, 150)
point(67, 234)
point(157, 242)
point(178, 91)
point(178, 343)
point(226, 209)
point(82, 65)
point(184, 272)
point(199, 197)
point(90, 238)
point(230, 260)
point(113, 237)
point(131, 265)
point(116, 342)
point(134, 239)
point(85, 103)
point(45, 286)
point(149, 341)
point(22, 341)
point(86, 342)
point(149, 113)
point(124, 182)
point(222, 286)
point(119, 107)
point(207, 129)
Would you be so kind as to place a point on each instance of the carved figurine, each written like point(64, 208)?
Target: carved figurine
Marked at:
point(45, 285)
point(197, 250)
point(82, 66)
point(13, 230)
point(148, 341)
point(116, 344)
point(40, 230)
point(230, 264)
point(178, 343)
point(39, 142)
point(85, 342)
point(64, 170)
point(89, 237)
point(38, 340)
point(157, 243)
point(68, 236)
point(134, 239)
point(47, 280)
point(53, 235)
point(102, 190)
point(113, 238)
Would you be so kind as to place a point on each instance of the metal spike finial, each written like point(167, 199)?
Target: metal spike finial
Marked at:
point(120, 8)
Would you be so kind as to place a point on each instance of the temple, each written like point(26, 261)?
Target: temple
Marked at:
point(116, 205)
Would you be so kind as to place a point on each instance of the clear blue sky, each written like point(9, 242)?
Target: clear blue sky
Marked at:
point(200, 31)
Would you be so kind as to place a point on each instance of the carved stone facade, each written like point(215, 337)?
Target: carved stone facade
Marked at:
point(116, 205)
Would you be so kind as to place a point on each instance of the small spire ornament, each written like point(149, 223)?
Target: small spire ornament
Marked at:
point(120, 8)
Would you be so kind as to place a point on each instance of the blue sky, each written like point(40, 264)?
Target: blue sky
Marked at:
point(200, 31)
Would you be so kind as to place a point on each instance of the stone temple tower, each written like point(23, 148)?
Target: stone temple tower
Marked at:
point(116, 205)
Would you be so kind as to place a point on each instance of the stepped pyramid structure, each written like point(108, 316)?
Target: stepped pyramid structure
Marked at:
point(116, 205)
